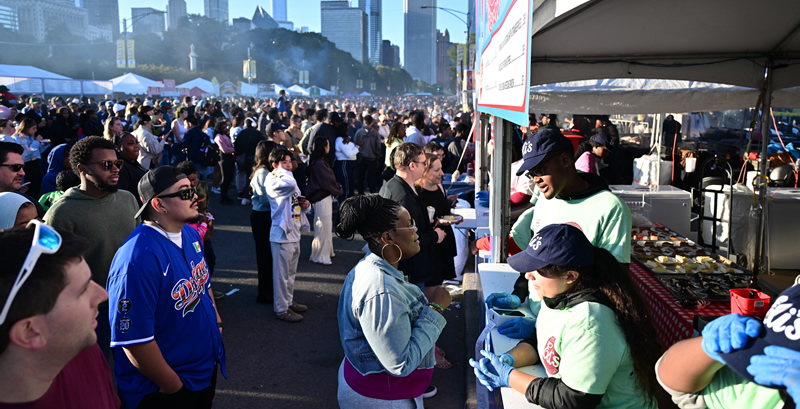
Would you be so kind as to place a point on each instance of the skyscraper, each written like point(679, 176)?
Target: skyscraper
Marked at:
point(103, 13)
point(373, 10)
point(217, 10)
point(176, 9)
point(419, 50)
point(443, 63)
point(390, 54)
point(262, 19)
point(147, 20)
point(277, 8)
point(347, 27)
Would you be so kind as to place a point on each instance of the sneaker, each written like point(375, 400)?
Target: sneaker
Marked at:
point(430, 392)
point(290, 316)
point(298, 307)
point(215, 190)
point(218, 294)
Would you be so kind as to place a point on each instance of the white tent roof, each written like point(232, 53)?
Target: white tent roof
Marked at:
point(635, 96)
point(278, 87)
point(28, 71)
point(204, 84)
point(298, 90)
point(324, 92)
point(365, 94)
point(721, 41)
point(133, 84)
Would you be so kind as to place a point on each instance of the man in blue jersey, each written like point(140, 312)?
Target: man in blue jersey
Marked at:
point(165, 328)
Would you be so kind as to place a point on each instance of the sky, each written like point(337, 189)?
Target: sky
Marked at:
point(307, 13)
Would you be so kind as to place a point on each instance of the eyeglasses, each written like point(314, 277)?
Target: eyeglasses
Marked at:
point(412, 227)
point(539, 170)
point(15, 167)
point(45, 241)
point(107, 164)
point(183, 194)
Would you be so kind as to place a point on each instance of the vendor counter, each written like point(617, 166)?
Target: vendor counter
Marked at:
point(499, 277)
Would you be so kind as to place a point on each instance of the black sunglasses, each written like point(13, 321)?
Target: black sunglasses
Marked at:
point(107, 164)
point(184, 194)
point(15, 167)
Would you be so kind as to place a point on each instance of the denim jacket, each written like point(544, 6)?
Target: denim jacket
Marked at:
point(384, 323)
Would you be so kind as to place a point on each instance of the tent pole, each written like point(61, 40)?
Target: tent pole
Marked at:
point(760, 260)
point(500, 191)
point(480, 152)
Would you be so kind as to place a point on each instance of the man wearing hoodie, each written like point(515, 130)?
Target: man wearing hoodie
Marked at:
point(57, 160)
point(563, 196)
point(96, 210)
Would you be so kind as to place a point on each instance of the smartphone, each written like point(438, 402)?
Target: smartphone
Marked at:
point(510, 313)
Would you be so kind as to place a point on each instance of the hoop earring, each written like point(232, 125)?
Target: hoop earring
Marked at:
point(398, 247)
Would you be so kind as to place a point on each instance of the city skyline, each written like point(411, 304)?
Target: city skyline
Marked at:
point(306, 13)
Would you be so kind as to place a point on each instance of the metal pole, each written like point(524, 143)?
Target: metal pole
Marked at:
point(480, 151)
point(760, 259)
point(500, 190)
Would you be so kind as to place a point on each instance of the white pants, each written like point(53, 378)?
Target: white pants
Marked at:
point(322, 246)
point(284, 269)
point(350, 399)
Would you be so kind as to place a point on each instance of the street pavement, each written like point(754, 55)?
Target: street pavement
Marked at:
point(275, 364)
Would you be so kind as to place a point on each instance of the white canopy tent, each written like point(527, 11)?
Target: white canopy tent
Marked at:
point(28, 71)
point(204, 84)
point(298, 90)
point(638, 96)
point(365, 94)
point(133, 84)
point(278, 87)
point(754, 44)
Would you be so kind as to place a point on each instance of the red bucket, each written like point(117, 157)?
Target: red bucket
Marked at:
point(749, 302)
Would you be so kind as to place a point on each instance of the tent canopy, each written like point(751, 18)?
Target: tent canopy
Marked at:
point(28, 71)
point(636, 96)
point(205, 85)
point(298, 90)
point(720, 41)
point(133, 84)
point(365, 94)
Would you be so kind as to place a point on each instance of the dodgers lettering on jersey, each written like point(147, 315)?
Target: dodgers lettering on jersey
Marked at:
point(187, 292)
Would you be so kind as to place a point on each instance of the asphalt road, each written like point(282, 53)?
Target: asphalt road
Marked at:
point(275, 364)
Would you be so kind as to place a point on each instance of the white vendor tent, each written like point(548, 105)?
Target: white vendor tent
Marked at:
point(204, 84)
point(636, 96)
point(133, 84)
point(365, 94)
point(28, 71)
point(298, 90)
point(248, 90)
point(278, 87)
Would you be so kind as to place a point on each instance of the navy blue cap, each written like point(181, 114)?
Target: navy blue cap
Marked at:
point(538, 145)
point(560, 245)
point(274, 127)
point(779, 325)
point(602, 139)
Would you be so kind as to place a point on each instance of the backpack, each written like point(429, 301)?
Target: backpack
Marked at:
point(209, 152)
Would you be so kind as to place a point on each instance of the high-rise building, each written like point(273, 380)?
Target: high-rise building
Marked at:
point(443, 63)
point(390, 54)
point(262, 19)
point(419, 55)
point(347, 27)
point(176, 10)
point(217, 10)
point(103, 13)
point(242, 24)
point(277, 9)
point(147, 20)
point(35, 17)
point(9, 19)
point(286, 24)
point(373, 10)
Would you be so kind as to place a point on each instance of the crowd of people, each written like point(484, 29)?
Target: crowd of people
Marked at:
point(108, 257)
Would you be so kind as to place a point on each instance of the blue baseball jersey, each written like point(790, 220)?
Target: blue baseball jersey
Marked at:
point(159, 292)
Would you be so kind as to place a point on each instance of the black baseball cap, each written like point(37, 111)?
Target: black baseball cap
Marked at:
point(560, 245)
point(274, 127)
point(602, 139)
point(538, 145)
point(154, 182)
point(780, 327)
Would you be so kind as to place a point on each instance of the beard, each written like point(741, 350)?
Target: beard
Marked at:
point(194, 219)
point(104, 187)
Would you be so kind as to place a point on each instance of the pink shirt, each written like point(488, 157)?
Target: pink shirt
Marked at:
point(386, 386)
point(587, 163)
point(224, 143)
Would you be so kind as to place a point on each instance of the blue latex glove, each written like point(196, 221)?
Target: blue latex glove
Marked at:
point(519, 328)
point(507, 359)
point(503, 300)
point(728, 333)
point(491, 371)
point(780, 367)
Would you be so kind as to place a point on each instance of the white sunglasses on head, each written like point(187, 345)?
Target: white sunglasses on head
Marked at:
point(46, 240)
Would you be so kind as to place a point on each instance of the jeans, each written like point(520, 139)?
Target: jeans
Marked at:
point(367, 175)
point(345, 171)
point(228, 167)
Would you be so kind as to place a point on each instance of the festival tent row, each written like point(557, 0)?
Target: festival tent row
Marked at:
point(28, 71)
point(204, 84)
point(133, 84)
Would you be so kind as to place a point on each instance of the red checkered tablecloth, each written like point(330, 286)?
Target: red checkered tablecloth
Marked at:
point(672, 321)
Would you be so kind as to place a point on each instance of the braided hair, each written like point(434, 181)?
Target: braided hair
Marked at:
point(369, 215)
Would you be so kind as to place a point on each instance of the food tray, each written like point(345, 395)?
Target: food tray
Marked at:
point(655, 233)
point(452, 218)
point(711, 287)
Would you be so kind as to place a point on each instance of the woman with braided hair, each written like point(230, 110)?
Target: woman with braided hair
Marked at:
point(387, 326)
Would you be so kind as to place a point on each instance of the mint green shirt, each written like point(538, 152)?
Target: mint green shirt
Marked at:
point(584, 346)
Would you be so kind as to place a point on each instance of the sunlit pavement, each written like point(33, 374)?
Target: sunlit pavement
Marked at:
point(274, 364)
